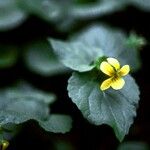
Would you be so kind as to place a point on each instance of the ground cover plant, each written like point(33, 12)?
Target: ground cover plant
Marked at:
point(74, 74)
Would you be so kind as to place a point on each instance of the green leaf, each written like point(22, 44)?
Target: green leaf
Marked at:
point(40, 58)
point(97, 9)
point(49, 10)
point(8, 56)
point(116, 108)
point(25, 90)
point(23, 103)
point(57, 123)
point(75, 11)
point(112, 42)
point(78, 56)
point(133, 146)
point(10, 15)
point(64, 17)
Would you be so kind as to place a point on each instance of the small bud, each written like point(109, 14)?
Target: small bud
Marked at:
point(5, 144)
point(135, 41)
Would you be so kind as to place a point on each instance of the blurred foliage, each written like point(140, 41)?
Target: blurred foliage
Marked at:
point(63, 13)
point(23, 103)
point(133, 146)
point(9, 131)
point(40, 58)
point(8, 55)
point(63, 145)
point(10, 14)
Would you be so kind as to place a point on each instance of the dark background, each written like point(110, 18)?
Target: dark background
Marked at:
point(83, 134)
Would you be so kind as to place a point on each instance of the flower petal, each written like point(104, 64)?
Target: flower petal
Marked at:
point(106, 84)
point(106, 68)
point(124, 70)
point(117, 83)
point(114, 62)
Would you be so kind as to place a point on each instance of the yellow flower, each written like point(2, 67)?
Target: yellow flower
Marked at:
point(5, 144)
point(112, 68)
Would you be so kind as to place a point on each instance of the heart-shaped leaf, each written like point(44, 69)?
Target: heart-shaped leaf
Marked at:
point(115, 108)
